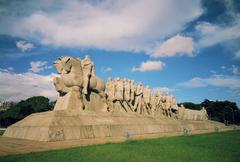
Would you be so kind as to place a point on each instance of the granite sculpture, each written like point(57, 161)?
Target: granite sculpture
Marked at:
point(78, 83)
point(87, 107)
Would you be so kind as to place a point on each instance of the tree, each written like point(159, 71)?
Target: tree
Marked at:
point(222, 111)
point(25, 108)
point(191, 105)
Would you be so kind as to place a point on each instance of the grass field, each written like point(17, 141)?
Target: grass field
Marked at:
point(215, 147)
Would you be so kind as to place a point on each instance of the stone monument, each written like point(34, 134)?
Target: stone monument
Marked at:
point(88, 108)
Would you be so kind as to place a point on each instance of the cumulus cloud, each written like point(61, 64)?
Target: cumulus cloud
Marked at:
point(109, 24)
point(106, 69)
point(15, 87)
point(24, 46)
point(232, 82)
point(165, 90)
point(149, 66)
point(235, 70)
point(223, 67)
point(37, 66)
point(10, 68)
point(177, 45)
point(211, 34)
point(237, 55)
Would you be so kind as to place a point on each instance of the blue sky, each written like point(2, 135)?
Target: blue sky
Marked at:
point(189, 48)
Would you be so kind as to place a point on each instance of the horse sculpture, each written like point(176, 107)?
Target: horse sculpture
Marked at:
point(71, 75)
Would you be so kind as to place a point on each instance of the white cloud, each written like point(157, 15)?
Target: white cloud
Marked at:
point(15, 87)
point(211, 34)
point(109, 24)
point(165, 90)
point(213, 72)
point(106, 69)
point(24, 46)
point(4, 70)
point(223, 67)
point(9, 69)
point(232, 82)
point(235, 70)
point(37, 66)
point(149, 66)
point(177, 45)
point(237, 55)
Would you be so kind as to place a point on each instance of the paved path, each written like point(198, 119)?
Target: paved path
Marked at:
point(18, 146)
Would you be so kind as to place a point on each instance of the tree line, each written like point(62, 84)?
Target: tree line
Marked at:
point(222, 111)
point(20, 110)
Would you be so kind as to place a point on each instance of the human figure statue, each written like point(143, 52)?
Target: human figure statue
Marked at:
point(132, 89)
point(118, 95)
point(153, 101)
point(204, 114)
point(138, 98)
point(170, 106)
point(88, 72)
point(146, 99)
point(164, 105)
point(110, 91)
point(127, 90)
point(127, 96)
point(174, 107)
point(72, 80)
point(158, 102)
point(146, 94)
point(118, 84)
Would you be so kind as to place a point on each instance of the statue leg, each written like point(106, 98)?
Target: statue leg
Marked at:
point(135, 104)
point(85, 84)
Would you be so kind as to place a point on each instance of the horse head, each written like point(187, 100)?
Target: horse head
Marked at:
point(70, 69)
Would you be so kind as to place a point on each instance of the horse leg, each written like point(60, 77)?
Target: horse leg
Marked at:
point(59, 85)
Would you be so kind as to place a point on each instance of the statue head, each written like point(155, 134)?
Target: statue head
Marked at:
point(182, 106)
point(87, 57)
point(63, 63)
point(58, 65)
point(67, 65)
point(118, 79)
point(159, 93)
point(109, 79)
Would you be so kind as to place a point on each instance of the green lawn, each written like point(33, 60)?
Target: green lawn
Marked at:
point(215, 147)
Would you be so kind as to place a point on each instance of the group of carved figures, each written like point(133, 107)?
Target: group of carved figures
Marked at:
point(120, 95)
point(124, 95)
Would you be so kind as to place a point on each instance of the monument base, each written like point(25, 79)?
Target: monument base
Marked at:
point(63, 125)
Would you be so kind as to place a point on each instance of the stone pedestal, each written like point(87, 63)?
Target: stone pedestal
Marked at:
point(63, 125)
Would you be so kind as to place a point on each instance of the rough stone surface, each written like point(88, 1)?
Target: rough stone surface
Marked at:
point(62, 125)
point(87, 109)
